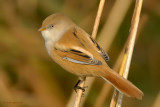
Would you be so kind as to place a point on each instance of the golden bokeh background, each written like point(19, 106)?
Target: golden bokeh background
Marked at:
point(28, 76)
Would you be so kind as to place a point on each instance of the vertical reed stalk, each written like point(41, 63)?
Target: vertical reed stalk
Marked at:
point(124, 71)
point(94, 33)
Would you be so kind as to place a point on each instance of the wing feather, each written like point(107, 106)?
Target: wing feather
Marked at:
point(100, 50)
point(77, 56)
point(77, 47)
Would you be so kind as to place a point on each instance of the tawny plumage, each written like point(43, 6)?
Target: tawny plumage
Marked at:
point(75, 50)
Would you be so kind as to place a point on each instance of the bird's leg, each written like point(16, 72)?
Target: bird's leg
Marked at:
point(77, 86)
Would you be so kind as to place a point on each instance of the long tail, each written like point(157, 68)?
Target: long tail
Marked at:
point(122, 84)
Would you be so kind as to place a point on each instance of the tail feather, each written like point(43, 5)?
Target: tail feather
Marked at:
point(123, 85)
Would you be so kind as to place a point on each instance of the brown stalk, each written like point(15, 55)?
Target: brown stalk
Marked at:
point(124, 71)
point(109, 31)
point(107, 87)
point(157, 100)
point(94, 33)
point(79, 93)
point(98, 17)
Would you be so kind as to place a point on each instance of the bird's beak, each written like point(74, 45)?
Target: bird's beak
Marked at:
point(42, 29)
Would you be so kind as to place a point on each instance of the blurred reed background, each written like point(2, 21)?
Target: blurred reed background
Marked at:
point(28, 76)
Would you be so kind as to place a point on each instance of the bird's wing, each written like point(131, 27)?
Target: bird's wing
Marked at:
point(77, 56)
point(101, 51)
point(78, 47)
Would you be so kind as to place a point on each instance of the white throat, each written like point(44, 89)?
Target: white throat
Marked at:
point(52, 36)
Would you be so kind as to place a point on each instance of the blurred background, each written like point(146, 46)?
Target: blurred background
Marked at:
point(29, 77)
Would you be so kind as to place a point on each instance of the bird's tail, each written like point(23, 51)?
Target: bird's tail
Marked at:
point(122, 84)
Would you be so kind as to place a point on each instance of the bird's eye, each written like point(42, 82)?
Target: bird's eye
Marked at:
point(50, 26)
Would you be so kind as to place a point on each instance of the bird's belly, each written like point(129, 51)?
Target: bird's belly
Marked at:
point(78, 69)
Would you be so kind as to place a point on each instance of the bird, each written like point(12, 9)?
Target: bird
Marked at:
point(78, 53)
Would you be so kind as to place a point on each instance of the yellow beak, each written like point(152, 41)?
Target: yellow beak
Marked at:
point(42, 29)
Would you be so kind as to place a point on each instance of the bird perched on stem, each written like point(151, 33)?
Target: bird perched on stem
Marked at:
point(77, 52)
